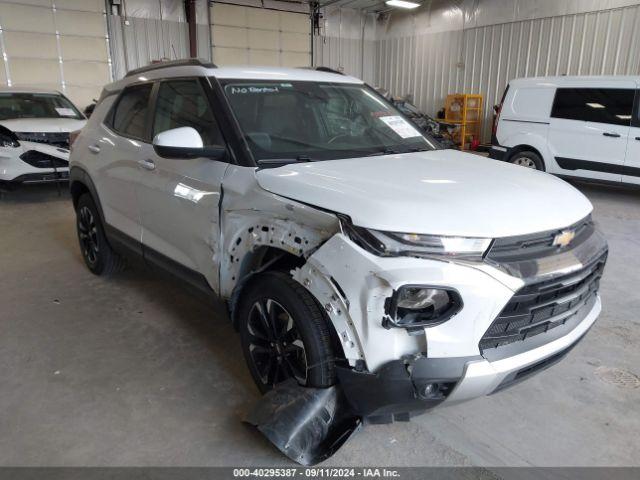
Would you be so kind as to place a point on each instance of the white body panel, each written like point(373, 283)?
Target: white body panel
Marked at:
point(178, 203)
point(442, 192)
point(369, 280)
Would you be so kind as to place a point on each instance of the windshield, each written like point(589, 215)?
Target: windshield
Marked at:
point(36, 105)
point(319, 121)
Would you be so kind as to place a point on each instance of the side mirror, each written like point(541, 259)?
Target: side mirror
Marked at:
point(185, 142)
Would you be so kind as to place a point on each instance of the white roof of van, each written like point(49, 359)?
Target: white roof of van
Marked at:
point(574, 79)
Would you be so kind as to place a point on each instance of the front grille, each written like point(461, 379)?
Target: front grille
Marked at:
point(57, 139)
point(524, 247)
point(539, 307)
point(42, 160)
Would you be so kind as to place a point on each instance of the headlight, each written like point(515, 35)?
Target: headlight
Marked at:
point(417, 245)
point(415, 307)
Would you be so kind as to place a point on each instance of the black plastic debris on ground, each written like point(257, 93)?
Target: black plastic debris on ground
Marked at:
point(308, 425)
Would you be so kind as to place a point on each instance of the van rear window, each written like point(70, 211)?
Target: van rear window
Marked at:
point(600, 105)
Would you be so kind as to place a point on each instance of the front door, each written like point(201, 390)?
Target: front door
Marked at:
point(589, 128)
point(179, 198)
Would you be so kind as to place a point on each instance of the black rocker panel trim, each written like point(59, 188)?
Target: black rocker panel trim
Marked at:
point(575, 164)
point(124, 244)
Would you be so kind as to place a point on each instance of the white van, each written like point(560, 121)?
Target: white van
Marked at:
point(585, 127)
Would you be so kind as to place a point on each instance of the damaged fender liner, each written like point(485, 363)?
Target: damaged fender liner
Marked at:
point(307, 424)
point(401, 388)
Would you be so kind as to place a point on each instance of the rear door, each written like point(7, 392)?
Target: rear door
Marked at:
point(631, 173)
point(118, 148)
point(179, 198)
point(589, 129)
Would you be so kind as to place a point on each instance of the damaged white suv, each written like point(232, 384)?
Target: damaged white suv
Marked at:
point(351, 249)
point(34, 135)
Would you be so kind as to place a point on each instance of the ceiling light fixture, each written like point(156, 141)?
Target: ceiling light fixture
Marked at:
point(402, 4)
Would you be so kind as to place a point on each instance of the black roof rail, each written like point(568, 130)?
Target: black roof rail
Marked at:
point(328, 70)
point(196, 62)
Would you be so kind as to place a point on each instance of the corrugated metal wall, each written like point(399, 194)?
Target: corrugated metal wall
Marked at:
point(423, 66)
point(484, 59)
point(347, 42)
point(142, 40)
point(353, 56)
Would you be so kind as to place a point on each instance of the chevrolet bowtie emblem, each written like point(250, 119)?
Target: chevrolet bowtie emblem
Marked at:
point(564, 238)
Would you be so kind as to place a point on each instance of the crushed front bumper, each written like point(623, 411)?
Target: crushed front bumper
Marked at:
point(482, 377)
point(402, 388)
point(33, 162)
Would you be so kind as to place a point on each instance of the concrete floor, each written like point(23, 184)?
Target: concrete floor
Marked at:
point(136, 370)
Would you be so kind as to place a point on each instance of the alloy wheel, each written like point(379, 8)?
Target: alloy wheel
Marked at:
point(525, 162)
point(275, 346)
point(88, 233)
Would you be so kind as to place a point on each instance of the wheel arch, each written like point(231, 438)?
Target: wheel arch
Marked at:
point(266, 258)
point(525, 148)
point(80, 183)
point(260, 259)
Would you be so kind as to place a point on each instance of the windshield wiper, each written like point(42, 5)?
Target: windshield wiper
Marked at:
point(275, 162)
point(383, 151)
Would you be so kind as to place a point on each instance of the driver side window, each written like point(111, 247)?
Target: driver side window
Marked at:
point(182, 103)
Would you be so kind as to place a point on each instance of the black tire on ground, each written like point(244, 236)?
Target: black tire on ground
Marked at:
point(284, 333)
point(527, 159)
point(96, 251)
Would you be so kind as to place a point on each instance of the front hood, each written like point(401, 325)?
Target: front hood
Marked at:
point(443, 192)
point(43, 124)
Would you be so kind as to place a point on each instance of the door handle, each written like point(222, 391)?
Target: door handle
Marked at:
point(609, 134)
point(637, 138)
point(94, 148)
point(147, 164)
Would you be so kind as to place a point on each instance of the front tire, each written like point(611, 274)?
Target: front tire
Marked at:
point(284, 333)
point(527, 159)
point(96, 251)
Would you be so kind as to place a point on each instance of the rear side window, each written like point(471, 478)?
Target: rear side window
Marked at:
point(601, 105)
point(130, 114)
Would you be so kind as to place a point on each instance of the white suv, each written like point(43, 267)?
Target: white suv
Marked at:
point(34, 135)
point(349, 248)
point(586, 127)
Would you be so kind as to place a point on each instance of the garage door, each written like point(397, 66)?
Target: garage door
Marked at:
point(62, 47)
point(258, 36)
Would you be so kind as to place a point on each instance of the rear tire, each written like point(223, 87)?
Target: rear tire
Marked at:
point(527, 159)
point(96, 251)
point(284, 333)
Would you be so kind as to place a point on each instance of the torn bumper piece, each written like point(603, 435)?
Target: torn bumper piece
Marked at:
point(308, 425)
point(401, 389)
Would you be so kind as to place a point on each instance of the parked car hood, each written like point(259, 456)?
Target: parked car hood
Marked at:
point(441, 192)
point(43, 124)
